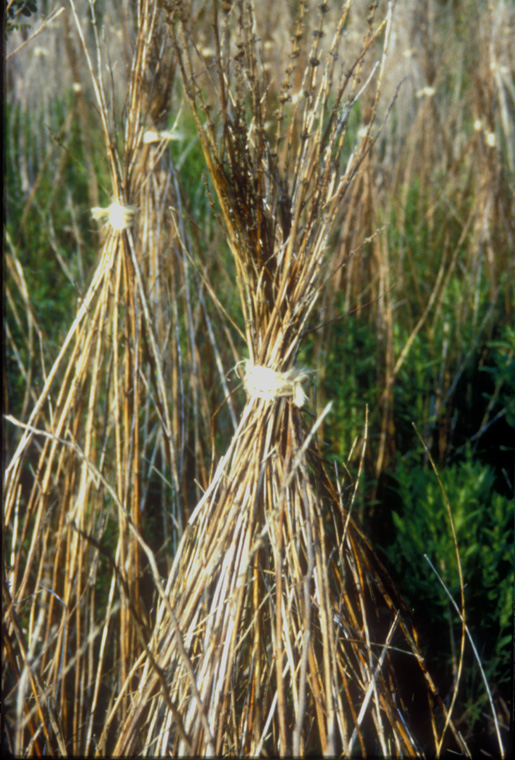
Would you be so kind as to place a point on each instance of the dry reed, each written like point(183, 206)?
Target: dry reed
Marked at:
point(76, 604)
point(278, 626)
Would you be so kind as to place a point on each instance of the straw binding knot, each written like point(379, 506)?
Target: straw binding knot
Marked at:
point(265, 383)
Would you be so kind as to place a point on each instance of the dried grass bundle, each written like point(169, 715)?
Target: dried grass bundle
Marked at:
point(278, 632)
point(76, 606)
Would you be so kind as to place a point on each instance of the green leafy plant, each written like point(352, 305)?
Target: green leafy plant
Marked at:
point(15, 10)
point(483, 521)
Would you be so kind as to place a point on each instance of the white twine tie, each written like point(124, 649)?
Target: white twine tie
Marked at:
point(163, 135)
point(265, 383)
point(116, 216)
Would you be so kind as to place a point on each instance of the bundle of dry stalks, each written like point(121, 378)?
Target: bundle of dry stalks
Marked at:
point(278, 632)
point(75, 603)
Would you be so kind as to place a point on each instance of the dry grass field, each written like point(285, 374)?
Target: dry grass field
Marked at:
point(259, 378)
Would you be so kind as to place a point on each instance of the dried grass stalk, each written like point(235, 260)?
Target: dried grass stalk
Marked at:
point(280, 632)
point(76, 606)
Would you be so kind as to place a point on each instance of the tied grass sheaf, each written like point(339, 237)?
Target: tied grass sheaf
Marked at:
point(182, 574)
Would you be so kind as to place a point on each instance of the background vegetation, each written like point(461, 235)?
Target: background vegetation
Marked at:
point(414, 340)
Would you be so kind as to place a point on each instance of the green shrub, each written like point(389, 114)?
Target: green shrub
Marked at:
point(484, 527)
